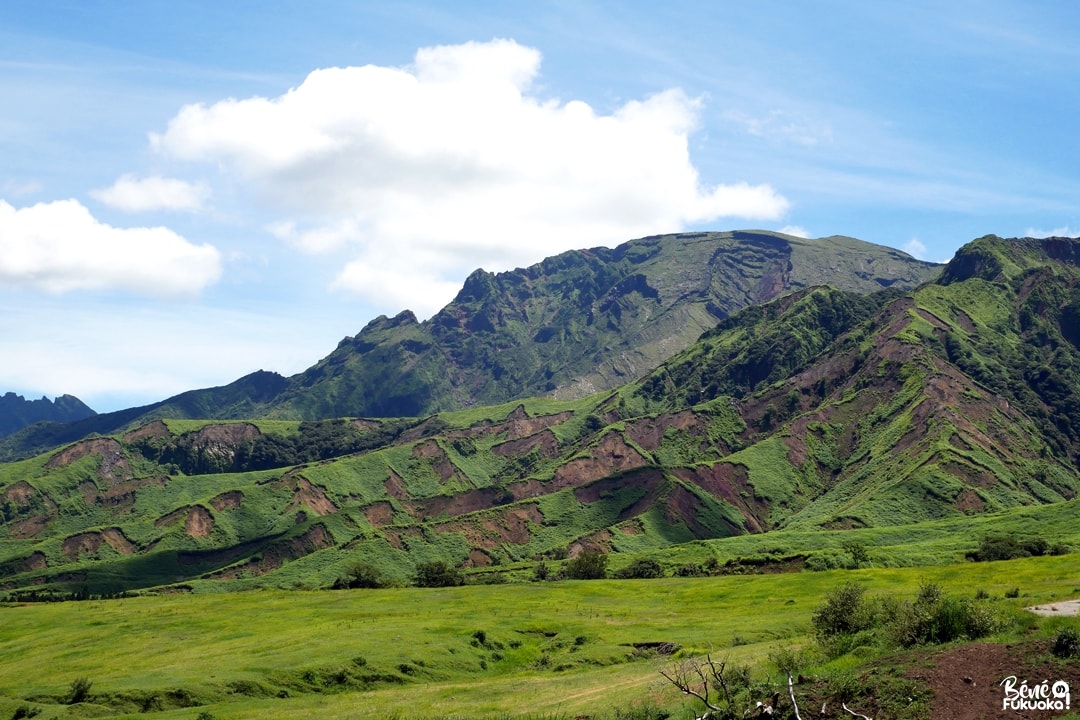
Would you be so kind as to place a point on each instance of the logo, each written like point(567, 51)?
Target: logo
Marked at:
point(1043, 696)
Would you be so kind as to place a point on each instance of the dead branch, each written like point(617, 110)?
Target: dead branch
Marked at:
point(682, 676)
point(791, 694)
point(855, 714)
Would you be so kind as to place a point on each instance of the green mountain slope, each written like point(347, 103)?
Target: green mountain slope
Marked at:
point(821, 410)
point(579, 322)
point(573, 324)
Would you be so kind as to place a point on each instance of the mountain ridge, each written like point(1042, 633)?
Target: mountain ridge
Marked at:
point(821, 410)
point(569, 325)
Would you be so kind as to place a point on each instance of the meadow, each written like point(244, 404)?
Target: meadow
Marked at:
point(555, 649)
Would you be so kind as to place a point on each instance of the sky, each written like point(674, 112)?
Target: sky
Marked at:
point(191, 191)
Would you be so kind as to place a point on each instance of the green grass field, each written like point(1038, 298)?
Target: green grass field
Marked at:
point(557, 649)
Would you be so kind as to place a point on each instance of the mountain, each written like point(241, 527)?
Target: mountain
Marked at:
point(582, 321)
point(16, 412)
point(578, 322)
point(822, 409)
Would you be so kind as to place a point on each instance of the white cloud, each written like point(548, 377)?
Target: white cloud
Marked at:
point(132, 194)
point(795, 230)
point(915, 248)
point(60, 246)
point(1056, 232)
point(426, 172)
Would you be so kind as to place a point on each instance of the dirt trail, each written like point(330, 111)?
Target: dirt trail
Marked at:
point(1062, 608)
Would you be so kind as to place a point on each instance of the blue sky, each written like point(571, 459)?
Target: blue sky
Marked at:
point(191, 191)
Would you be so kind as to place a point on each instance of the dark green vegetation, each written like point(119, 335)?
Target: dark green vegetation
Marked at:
point(16, 412)
point(573, 324)
point(822, 409)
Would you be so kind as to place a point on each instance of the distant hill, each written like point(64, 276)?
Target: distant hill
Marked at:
point(16, 412)
point(573, 324)
point(821, 409)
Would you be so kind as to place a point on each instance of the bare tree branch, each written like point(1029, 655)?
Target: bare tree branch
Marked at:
point(791, 694)
point(855, 714)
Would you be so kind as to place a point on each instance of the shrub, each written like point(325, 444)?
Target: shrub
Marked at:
point(589, 565)
point(25, 711)
point(1067, 643)
point(438, 574)
point(689, 570)
point(541, 571)
point(1007, 547)
point(79, 690)
point(642, 569)
point(361, 575)
point(843, 611)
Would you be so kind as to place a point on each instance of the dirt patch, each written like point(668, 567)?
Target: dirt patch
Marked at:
point(316, 538)
point(117, 541)
point(114, 464)
point(966, 680)
point(305, 494)
point(19, 494)
point(81, 544)
point(227, 500)
point(611, 455)
point(493, 530)
point(519, 424)
point(36, 561)
point(458, 503)
point(731, 483)
point(1059, 609)
point(395, 486)
point(440, 462)
point(121, 495)
point(154, 430)
point(199, 523)
point(220, 443)
point(648, 433)
point(379, 514)
point(969, 501)
point(478, 558)
point(544, 442)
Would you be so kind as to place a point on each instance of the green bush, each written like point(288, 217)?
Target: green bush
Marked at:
point(1067, 643)
point(589, 565)
point(361, 575)
point(1007, 547)
point(79, 690)
point(438, 574)
point(844, 612)
point(642, 569)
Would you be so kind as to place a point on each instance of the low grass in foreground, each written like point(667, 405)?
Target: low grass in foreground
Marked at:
point(558, 649)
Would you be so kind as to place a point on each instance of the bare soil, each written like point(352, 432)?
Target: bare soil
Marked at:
point(966, 680)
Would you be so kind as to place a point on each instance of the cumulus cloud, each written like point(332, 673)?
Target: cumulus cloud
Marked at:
point(423, 173)
point(915, 248)
point(133, 194)
point(60, 247)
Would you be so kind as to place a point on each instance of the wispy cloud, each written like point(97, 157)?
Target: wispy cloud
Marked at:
point(426, 172)
point(1064, 231)
point(133, 194)
point(915, 248)
point(795, 230)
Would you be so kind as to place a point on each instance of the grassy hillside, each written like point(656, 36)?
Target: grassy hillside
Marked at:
point(566, 327)
point(820, 410)
point(555, 649)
